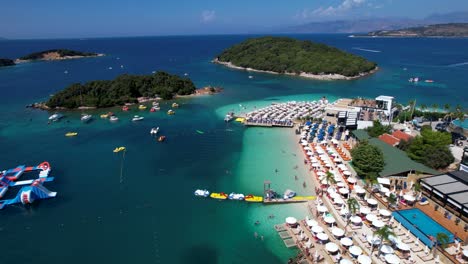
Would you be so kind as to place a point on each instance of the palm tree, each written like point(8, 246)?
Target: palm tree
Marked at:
point(330, 178)
point(392, 199)
point(370, 180)
point(353, 206)
point(434, 109)
point(384, 234)
point(412, 104)
point(443, 239)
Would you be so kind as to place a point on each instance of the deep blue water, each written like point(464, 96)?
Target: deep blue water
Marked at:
point(152, 217)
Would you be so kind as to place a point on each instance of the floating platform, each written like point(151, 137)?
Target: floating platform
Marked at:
point(267, 124)
point(295, 199)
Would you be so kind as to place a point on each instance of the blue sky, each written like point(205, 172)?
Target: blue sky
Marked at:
point(103, 18)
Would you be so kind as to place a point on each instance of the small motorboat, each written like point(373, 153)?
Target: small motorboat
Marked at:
point(154, 131)
point(236, 196)
point(250, 77)
point(155, 108)
point(113, 119)
point(142, 107)
point(71, 134)
point(170, 112)
point(86, 118)
point(204, 193)
point(161, 138)
point(104, 116)
point(220, 196)
point(175, 105)
point(253, 199)
point(119, 149)
point(229, 116)
point(137, 118)
point(288, 194)
point(55, 117)
point(155, 103)
point(429, 81)
point(125, 108)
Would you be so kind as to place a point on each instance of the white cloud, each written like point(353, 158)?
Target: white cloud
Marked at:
point(208, 16)
point(328, 11)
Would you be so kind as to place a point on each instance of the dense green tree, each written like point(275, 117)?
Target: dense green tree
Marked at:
point(431, 149)
point(123, 89)
point(287, 55)
point(368, 160)
point(378, 129)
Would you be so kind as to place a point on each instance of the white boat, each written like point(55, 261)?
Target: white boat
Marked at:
point(154, 131)
point(113, 119)
point(110, 68)
point(236, 196)
point(250, 77)
point(288, 194)
point(203, 193)
point(155, 104)
point(86, 118)
point(137, 118)
point(55, 117)
point(229, 116)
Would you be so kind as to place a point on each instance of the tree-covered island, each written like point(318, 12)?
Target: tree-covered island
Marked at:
point(57, 54)
point(283, 55)
point(6, 62)
point(123, 89)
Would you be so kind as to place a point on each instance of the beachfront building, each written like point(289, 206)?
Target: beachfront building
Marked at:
point(400, 172)
point(464, 160)
point(384, 104)
point(449, 190)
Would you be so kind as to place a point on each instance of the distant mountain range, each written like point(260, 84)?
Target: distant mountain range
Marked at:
point(374, 24)
point(437, 30)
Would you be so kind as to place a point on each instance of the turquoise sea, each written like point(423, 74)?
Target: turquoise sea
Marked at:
point(149, 214)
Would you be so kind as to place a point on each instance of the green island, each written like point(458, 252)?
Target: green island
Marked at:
point(436, 30)
point(283, 55)
point(123, 89)
point(6, 62)
point(57, 54)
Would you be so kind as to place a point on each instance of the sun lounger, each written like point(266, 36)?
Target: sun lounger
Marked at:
point(408, 240)
point(428, 257)
point(451, 250)
point(416, 249)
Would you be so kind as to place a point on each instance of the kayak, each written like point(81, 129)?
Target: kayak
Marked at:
point(253, 199)
point(221, 196)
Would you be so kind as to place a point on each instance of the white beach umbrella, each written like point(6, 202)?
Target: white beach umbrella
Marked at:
point(345, 261)
point(377, 223)
point(322, 209)
point(331, 247)
point(316, 165)
point(341, 184)
point(291, 220)
point(338, 200)
point(371, 217)
point(408, 197)
point(346, 241)
point(344, 211)
point(338, 232)
point(343, 191)
point(307, 148)
point(310, 153)
point(384, 190)
point(352, 180)
point(387, 249)
point(363, 259)
point(304, 143)
point(364, 210)
point(355, 250)
point(321, 173)
point(360, 190)
point(334, 195)
point(311, 222)
point(355, 219)
point(308, 244)
point(329, 219)
point(465, 253)
point(322, 236)
point(373, 240)
point(384, 212)
point(403, 246)
point(392, 259)
point(317, 229)
point(347, 173)
point(371, 201)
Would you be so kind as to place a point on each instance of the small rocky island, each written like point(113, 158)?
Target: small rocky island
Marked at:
point(436, 30)
point(56, 54)
point(122, 90)
point(283, 55)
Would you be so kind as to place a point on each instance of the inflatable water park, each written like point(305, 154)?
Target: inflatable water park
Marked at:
point(31, 189)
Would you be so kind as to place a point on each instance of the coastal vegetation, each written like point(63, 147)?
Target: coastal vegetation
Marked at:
point(123, 89)
point(56, 54)
point(292, 56)
point(368, 161)
point(378, 129)
point(436, 30)
point(6, 62)
point(430, 148)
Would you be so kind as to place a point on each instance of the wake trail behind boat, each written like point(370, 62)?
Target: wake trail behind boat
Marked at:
point(458, 64)
point(368, 50)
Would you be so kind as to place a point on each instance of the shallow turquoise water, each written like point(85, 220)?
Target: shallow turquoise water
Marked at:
point(150, 215)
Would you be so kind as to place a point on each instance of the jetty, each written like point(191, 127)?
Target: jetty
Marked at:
point(269, 196)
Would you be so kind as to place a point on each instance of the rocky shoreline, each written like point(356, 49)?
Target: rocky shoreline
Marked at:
point(323, 77)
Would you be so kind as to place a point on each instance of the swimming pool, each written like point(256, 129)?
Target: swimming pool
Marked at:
point(421, 225)
point(463, 124)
